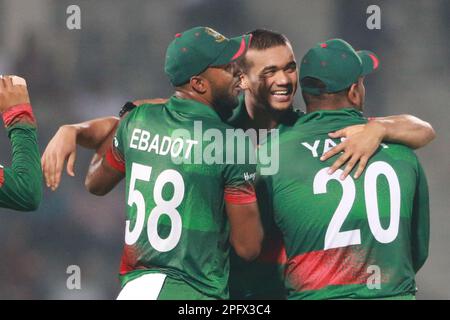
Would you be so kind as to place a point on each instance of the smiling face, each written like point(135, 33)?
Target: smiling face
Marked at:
point(271, 77)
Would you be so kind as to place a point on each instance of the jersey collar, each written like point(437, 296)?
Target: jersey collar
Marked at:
point(191, 107)
point(331, 114)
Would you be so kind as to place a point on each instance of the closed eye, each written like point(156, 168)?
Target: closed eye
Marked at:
point(269, 71)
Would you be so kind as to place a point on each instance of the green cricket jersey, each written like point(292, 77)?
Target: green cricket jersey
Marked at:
point(176, 223)
point(20, 184)
point(259, 279)
point(361, 239)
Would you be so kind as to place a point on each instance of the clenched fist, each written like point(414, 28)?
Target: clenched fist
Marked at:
point(13, 91)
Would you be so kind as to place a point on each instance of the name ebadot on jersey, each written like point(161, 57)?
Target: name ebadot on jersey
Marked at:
point(211, 146)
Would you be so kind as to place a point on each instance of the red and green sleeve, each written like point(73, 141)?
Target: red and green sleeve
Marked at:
point(239, 176)
point(21, 184)
point(115, 159)
point(115, 154)
point(239, 182)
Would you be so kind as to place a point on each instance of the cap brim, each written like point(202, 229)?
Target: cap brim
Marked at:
point(370, 61)
point(235, 49)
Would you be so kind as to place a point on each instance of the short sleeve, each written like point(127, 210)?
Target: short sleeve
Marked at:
point(115, 155)
point(240, 174)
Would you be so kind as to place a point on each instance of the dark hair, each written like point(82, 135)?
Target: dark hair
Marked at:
point(263, 39)
point(318, 84)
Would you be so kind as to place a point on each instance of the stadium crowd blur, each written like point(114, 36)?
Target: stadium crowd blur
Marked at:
point(118, 55)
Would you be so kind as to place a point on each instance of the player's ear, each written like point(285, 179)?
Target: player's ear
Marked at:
point(245, 83)
point(354, 95)
point(357, 93)
point(199, 84)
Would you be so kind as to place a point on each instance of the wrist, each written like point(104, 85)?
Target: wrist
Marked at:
point(69, 128)
point(69, 131)
point(380, 127)
point(19, 113)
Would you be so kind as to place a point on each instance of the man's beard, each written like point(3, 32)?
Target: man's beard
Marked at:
point(224, 103)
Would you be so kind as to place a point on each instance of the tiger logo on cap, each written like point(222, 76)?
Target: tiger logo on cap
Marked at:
point(219, 38)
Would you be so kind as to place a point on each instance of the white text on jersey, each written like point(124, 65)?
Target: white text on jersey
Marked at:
point(140, 140)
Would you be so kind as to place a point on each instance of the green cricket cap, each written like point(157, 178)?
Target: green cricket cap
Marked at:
point(337, 65)
point(194, 50)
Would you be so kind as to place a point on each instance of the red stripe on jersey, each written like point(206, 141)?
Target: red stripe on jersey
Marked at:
point(318, 269)
point(240, 195)
point(19, 113)
point(114, 161)
point(2, 177)
point(129, 259)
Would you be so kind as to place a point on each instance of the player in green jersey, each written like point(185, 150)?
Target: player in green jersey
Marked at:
point(177, 233)
point(269, 65)
point(270, 80)
point(20, 185)
point(345, 237)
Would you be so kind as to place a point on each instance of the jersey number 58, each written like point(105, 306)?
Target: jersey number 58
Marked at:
point(169, 208)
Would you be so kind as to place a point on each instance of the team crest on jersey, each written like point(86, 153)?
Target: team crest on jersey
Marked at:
point(219, 38)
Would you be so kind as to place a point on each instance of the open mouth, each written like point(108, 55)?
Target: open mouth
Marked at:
point(282, 91)
point(282, 94)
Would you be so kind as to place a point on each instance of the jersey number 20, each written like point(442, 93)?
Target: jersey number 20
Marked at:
point(334, 238)
point(169, 208)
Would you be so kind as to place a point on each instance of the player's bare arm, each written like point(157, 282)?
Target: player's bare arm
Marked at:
point(246, 232)
point(62, 147)
point(89, 134)
point(363, 140)
point(102, 177)
point(150, 101)
point(407, 129)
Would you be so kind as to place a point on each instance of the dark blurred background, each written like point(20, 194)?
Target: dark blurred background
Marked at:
point(118, 55)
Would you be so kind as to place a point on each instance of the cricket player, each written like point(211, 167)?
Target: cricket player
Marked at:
point(270, 80)
point(177, 233)
point(345, 238)
point(20, 185)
